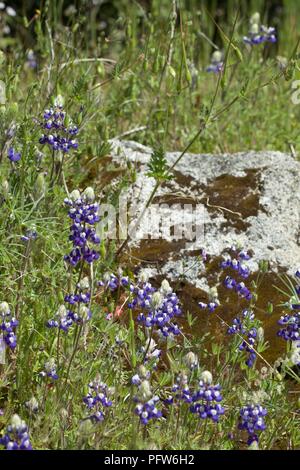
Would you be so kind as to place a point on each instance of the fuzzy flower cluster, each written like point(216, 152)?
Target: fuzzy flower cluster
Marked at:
point(252, 420)
point(8, 325)
point(77, 311)
point(59, 131)
point(97, 399)
point(16, 436)
point(146, 402)
point(216, 63)
point(159, 307)
point(50, 369)
point(259, 33)
point(180, 391)
point(83, 212)
point(206, 399)
point(30, 234)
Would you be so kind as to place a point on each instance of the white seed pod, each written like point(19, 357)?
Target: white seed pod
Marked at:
point(207, 377)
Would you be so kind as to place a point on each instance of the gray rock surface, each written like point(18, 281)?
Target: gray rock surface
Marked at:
point(250, 198)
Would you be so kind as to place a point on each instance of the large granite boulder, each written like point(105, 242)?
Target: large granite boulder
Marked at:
point(251, 198)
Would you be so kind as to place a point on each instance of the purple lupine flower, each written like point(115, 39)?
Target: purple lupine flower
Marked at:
point(248, 344)
point(244, 326)
point(180, 391)
point(146, 401)
point(31, 59)
point(8, 325)
point(148, 410)
point(16, 436)
point(30, 234)
point(12, 155)
point(50, 370)
point(84, 214)
point(252, 420)
point(216, 64)
point(59, 131)
point(206, 400)
point(259, 34)
point(159, 307)
point(112, 282)
point(97, 399)
point(291, 324)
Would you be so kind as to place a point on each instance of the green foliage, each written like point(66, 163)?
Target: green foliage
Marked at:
point(158, 167)
point(131, 78)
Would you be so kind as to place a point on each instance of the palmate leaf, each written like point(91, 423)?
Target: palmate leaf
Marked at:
point(158, 166)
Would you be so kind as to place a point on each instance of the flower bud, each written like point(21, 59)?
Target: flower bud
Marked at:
point(5, 187)
point(206, 376)
point(58, 101)
point(16, 422)
point(254, 29)
point(89, 194)
point(156, 300)
point(4, 308)
point(84, 284)
point(213, 294)
point(255, 18)
point(143, 372)
point(75, 194)
point(216, 57)
point(40, 186)
point(32, 405)
point(165, 287)
point(253, 446)
point(62, 311)
point(145, 390)
point(191, 360)
point(50, 365)
point(84, 313)
point(144, 276)
point(260, 334)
